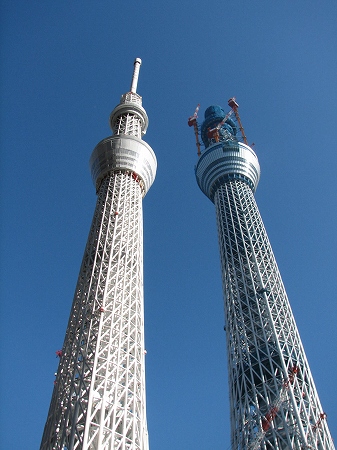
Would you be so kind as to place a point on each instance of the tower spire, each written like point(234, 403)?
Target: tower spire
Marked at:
point(129, 117)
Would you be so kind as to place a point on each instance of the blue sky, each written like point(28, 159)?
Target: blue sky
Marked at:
point(64, 66)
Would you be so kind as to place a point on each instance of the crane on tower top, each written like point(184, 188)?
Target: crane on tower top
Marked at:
point(234, 105)
point(192, 122)
point(214, 132)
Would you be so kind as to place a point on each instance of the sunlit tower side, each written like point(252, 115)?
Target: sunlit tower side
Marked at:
point(98, 400)
point(273, 399)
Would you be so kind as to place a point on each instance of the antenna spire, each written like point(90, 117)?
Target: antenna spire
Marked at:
point(135, 75)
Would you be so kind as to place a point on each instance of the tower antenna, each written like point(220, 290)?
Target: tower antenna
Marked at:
point(135, 75)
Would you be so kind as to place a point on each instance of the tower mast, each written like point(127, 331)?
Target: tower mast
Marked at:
point(98, 400)
point(273, 400)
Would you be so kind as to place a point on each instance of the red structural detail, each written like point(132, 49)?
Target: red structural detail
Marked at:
point(193, 119)
point(192, 122)
point(268, 418)
point(234, 105)
point(214, 132)
point(293, 372)
point(322, 416)
point(58, 353)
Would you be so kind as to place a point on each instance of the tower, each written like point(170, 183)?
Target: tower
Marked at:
point(273, 399)
point(98, 400)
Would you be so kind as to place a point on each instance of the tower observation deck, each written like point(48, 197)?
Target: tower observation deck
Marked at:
point(273, 400)
point(98, 400)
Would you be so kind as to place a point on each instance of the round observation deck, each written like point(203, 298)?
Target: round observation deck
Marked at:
point(126, 153)
point(224, 161)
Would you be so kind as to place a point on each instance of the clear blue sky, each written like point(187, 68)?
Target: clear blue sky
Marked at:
point(64, 66)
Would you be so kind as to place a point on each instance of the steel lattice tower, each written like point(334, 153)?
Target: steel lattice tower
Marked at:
point(273, 399)
point(98, 400)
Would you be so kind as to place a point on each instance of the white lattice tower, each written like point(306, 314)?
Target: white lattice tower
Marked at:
point(263, 342)
point(99, 395)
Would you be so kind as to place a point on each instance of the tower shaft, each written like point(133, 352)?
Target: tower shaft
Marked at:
point(99, 396)
point(273, 400)
point(263, 343)
point(98, 402)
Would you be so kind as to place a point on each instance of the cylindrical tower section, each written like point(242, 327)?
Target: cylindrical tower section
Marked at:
point(226, 161)
point(273, 400)
point(126, 153)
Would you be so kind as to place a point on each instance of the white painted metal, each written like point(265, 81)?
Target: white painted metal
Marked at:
point(135, 75)
point(126, 152)
point(263, 342)
point(98, 401)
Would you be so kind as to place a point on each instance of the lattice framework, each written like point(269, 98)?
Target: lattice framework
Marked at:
point(99, 395)
point(128, 124)
point(262, 338)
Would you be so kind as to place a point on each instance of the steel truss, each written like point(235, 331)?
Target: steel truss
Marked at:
point(99, 395)
point(263, 342)
point(128, 124)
